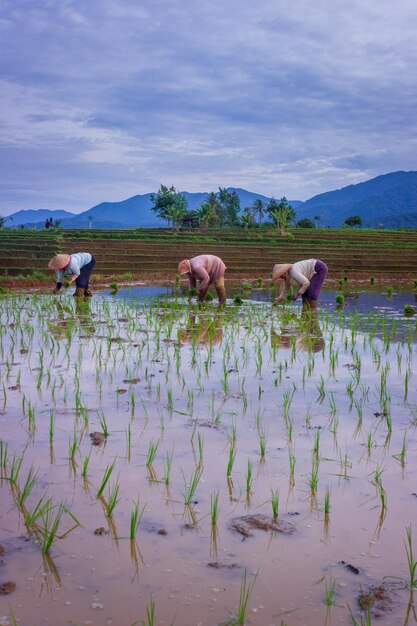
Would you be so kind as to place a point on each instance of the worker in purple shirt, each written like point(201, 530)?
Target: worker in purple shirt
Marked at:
point(307, 277)
point(207, 269)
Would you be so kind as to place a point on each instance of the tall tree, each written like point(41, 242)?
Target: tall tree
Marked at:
point(259, 209)
point(169, 204)
point(229, 203)
point(247, 219)
point(281, 212)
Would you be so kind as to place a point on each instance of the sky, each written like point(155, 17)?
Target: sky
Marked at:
point(101, 100)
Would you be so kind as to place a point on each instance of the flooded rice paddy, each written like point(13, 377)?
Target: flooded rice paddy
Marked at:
point(171, 464)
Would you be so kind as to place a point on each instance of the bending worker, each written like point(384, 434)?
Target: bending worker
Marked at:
point(207, 269)
point(306, 276)
point(77, 267)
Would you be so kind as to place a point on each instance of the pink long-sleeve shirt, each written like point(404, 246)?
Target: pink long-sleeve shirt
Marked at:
point(206, 268)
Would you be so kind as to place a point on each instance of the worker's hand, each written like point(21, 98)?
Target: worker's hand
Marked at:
point(295, 296)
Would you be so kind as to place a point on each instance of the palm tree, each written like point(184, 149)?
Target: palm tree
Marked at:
point(259, 208)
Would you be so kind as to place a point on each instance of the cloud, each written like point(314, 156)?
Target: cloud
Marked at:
point(102, 100)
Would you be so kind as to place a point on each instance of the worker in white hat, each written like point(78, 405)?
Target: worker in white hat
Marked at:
point(76, 267)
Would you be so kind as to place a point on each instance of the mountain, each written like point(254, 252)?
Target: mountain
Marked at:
point(390, 200)
point(136, 211)
point(31, 216)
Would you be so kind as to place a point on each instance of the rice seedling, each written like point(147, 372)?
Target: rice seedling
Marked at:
point(214, 508)
point(30, 484)
point(150, 614)
point(103, 423)
point(135, 519)
point(249, 477)
point(231, 461)
point(330, 598)
point(412, 563)
point(15, 468)
point(85, 464)
point(51, 523)
point(168, 464)
point(107, 474)
point(401, 455)
point(313, 479)
point(113, 499)
point(246, 590)
point(275, 503)
point(3, 457)
point(327, 503)
point(152, 450)
point(192, 486)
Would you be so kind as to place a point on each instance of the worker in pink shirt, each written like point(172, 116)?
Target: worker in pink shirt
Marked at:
point(207, 269)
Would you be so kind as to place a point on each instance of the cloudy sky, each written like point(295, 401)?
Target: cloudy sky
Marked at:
point(104, 99)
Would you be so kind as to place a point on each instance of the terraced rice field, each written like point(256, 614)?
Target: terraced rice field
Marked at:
point(155, 253)
point(165, 463)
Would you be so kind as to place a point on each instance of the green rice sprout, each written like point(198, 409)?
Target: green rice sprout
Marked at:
point(135, 519)
point(275, 503)
point(232, 456)
point(113, 499)
point(330, 599)
point(327, 503)
point(150, 614)
point(85, 464)
point(107, 473)
point(214, 508)
point(51, 523)
point(103, 423)
point(30, 483)
point(412, 563)
point(15, 468)
point(52, 420)
point(152, 450)
point(246, 590)
point(168, 464)
point(249, 477)
point(192, 486)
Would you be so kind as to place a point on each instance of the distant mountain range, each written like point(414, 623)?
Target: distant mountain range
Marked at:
point(389, 200)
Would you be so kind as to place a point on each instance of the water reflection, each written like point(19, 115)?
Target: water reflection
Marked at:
point(359, 300)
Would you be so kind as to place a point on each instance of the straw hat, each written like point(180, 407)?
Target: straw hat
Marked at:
point(184, 267)
point(59, 262)
point(280, 269)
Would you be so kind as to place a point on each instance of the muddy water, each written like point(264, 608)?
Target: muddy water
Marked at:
point(337, 397)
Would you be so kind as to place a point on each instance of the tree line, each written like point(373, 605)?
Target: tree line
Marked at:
point(219, 209)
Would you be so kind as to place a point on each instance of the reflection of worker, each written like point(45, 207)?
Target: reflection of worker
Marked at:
point(77, 267)
point(207, 269)
point(204, 330)
point(306, 276)
point(307, 337)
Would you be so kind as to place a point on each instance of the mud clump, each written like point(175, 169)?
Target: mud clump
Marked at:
point(218, 565)
point(98, 439)
point(377, 599)
point(2, 550)
point(246, 524)
point(350, 567)
point(100, 532)
point(6, 588)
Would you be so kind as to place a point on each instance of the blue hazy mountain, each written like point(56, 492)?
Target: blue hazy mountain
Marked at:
point(389, 200)
point(136, 211)
point(31, 216)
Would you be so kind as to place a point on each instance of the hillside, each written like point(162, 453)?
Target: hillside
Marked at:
point(390, 200)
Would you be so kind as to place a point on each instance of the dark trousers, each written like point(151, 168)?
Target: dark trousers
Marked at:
point(83, 279)
point(316, 282)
